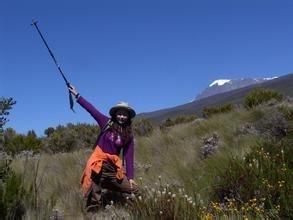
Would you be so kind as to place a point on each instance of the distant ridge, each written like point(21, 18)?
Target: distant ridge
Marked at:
point(282, 84)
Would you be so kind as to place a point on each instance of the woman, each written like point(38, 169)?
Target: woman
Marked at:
point(116, 136)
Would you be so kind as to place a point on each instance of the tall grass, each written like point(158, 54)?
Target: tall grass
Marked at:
point(53, 183)
point(172, 155)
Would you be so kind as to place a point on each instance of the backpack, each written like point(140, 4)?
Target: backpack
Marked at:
point(104, 129)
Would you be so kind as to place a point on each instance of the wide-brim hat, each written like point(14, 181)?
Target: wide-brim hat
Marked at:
point(124, 106)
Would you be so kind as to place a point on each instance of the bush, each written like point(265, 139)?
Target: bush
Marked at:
point(167, 123)
point(11, 193)
point(60, 139)
point(287, 111)
point(207, 112)
point(184, 119)
point(259, 96)
point(257, 185)
point(272, 126)
point(178, 120)
point(15, 143)
point(143, 127)
point(70, 137)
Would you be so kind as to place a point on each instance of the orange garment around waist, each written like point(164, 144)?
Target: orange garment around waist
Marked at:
point(95, 163)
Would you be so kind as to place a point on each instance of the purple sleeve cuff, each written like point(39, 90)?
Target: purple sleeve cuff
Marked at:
point(129, 158)
point(98, 116)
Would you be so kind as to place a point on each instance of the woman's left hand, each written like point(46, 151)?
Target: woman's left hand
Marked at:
point(73, 90)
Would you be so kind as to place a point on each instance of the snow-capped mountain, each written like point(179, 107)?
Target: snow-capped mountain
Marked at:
point(282, 84)
point(226, 85)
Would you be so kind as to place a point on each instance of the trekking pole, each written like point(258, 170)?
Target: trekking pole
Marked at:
point(34, 23)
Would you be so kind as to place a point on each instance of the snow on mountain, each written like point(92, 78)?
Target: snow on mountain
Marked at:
point(226, 85)
point(219, 82)
point(275, 77)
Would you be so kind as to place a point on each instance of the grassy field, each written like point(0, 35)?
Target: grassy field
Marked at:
point(177, 181)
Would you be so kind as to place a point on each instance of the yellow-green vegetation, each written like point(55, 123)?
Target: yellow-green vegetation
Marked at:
point(287, 111)
point(60, 139)
point(209, 111)
point(261, 95)
point(15, 143)
point(11, 192)
point(142, 127)
point(256, 183)
point(177, 120)
point(53, 181)
point(248, 175)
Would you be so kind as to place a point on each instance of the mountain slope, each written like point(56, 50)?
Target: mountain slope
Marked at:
point(226, 85)
point(283, 84)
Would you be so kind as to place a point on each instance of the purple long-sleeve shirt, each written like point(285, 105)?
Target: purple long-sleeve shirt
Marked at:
point(106, 141)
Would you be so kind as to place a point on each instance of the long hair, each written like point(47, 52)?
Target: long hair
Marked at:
point(125, 131)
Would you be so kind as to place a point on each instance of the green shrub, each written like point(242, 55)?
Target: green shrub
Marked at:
point(207, 112)
point(259, 96)
point(287, 111)
point(11, 193)
point(60, 139)
point(15, 143)
point(272, 126)
point(142, 127)
point(259, 184)
point(167, 123)
point(184, 119)
point(70, 137)
point(178, 120)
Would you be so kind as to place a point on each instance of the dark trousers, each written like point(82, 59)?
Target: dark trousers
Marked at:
point(107, 179)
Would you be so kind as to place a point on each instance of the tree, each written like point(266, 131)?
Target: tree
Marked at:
point(5, 105)
point(49, 131)
point(11, 190)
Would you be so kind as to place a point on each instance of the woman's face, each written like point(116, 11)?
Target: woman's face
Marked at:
point(122, 116)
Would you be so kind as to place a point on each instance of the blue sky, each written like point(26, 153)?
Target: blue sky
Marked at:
point(153, 54)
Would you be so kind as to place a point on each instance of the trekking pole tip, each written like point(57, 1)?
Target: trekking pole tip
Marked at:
point(34, 21)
